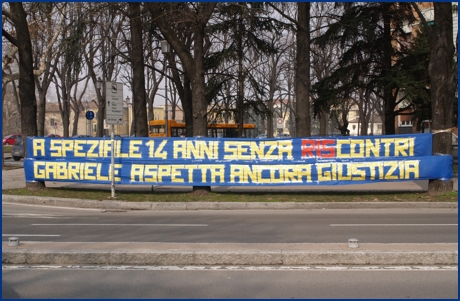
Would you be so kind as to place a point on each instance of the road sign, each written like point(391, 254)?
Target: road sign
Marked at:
point(280, 123)
point(90, 115)
point(114, 105)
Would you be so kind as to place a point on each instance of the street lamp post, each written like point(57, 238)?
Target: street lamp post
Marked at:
point(165, 49)
point(99, 86)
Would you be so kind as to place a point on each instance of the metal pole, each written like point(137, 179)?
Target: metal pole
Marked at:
point(86, 111)
point(166, 98)
point(112, 159)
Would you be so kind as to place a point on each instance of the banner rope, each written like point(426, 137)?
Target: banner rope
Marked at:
point(442, 131)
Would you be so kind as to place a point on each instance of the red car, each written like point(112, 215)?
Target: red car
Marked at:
point(9, 140)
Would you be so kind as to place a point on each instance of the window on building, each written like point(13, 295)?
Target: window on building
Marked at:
point(52, 121)
point(406, 122)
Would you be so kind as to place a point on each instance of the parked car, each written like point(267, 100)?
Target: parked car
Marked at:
point(17, 152)
point(262, 136)
point(9, 140)
point(53, 136)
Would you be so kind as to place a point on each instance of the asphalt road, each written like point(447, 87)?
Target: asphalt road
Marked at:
point(229, 282)
point(42, 223)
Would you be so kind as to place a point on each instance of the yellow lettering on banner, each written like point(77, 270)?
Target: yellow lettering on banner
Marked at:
point(204, 171)
point(39, 146)
point(176, 173)
point(340, 144)
point(304, 170)
point(269, 155)
point(156, 153)
point(273, 178)
point(390, 173)
point(374, 148)
point(67, 146)
point(401, 169)
point(163, 171)
point(151, 173)
point(411, 167)
point(79, 147)
point(251, 150)
point(61, 171)
point(257, 150)
point(354, 145)
point(285, 147)
point(387, 142)
point(341, 176)
point(99, 175)
point(276, 174)
point(82, 171)
point(259, 169)
point(236, 172)
point(180, 147)
point(39, 170)
point(404, 147)
point(89, 171)
point(50, 169)
point(411, 146)
point(232, 148)
point(107, 148)
point(73, 168)
point(324, 175)
point(92, 146)
point(160, 153)
point(209, 149)
point(243, 150)
point(55, 148)
point(116, 171)
point(217, 170)
point(358, 174)
point(373, 166)
point(137, 170)
point(290, 174)
point(151, 146)
point(134, 149)
point(190, 169)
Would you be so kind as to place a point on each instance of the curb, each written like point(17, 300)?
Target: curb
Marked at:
point(159, 206)
point(252, 257)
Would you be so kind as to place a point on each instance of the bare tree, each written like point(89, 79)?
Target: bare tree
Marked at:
point(22, 41)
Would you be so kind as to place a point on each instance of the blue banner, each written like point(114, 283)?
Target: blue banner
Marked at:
point(233, 162)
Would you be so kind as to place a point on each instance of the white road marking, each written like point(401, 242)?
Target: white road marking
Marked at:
point(29, 215)
point(390, 225)
point(58, 207)
point(131, 225)
point(41, 235)
point(234, 268)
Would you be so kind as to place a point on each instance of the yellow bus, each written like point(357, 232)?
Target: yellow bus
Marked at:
point(157, 128)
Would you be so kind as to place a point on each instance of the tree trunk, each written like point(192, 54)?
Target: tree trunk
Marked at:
point(323, 117)
point(443, 77)
point(388, 99)
point(302, 73)
point(26, 81)
point(137, 60)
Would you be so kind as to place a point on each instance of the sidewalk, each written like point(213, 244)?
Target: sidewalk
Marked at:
point(166, 254)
